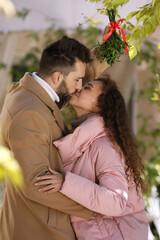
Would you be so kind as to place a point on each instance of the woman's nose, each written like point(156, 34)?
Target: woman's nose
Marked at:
point(78, 91)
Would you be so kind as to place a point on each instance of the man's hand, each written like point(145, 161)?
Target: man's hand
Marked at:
point(50, 183)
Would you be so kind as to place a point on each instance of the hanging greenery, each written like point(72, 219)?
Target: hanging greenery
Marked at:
point(113, 45)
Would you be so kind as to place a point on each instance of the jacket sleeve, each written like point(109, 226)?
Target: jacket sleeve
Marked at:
point(109, 197)
point(29, 142)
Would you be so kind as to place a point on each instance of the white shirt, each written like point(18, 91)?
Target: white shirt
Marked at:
point(53, 95)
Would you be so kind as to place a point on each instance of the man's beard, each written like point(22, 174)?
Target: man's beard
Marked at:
point(63, 91)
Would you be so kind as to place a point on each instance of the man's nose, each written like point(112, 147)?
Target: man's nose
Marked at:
point(79, 85)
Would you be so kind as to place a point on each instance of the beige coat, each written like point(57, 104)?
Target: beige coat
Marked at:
point(30, 121)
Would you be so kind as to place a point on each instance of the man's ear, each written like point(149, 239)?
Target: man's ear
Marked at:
point(57, 78)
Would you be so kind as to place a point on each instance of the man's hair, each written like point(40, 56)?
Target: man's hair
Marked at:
point(61, 56)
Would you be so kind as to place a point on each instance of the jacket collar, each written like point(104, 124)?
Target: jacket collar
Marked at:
point(31, 85)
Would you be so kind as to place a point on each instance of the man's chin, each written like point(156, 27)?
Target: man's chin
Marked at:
point(65, 98)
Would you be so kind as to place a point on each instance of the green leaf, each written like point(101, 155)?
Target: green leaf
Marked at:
point(159, 45)
point(10, 166)
point(136, 35)
point(153, 23)
point(153, 2)
point(146, 5)
point(144, 18)
point(2, 174)
point(130, 15)
point(157, 89)
point(143, 33)
point(102, 11)
point(135, 28)
point(157, 13)
point(124, 26)
point(155, 97)
point(138, 46)
point(148, 28)
point(132, 52)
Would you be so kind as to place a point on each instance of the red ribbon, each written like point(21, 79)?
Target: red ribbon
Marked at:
point(113, 26)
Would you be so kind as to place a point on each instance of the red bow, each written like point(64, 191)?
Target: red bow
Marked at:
point(113, 26)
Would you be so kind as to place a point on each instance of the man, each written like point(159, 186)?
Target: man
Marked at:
point(30, 121)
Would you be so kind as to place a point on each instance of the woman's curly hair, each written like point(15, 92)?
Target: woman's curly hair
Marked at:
point(113, 110)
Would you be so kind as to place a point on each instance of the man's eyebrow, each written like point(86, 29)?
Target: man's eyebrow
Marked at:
point(81, 77)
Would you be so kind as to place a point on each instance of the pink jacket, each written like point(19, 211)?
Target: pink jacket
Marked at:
point(95, 178)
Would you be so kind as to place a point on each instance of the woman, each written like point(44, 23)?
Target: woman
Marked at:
point(103, 167)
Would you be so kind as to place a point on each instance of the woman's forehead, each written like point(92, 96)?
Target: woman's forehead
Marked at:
point(96, 84)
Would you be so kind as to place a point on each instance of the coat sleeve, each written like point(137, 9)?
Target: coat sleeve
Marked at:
point(95, 68)
point(29, 142)
point(109, 197)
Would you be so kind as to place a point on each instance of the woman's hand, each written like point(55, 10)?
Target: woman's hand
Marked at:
point(50, 183)
point(107, 30)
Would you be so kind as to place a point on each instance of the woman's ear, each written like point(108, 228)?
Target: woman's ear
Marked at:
point(95, 108)
point(57, 78)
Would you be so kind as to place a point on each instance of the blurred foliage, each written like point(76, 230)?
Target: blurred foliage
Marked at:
point(147, 16)
point(2, 65)
point(23, 13)
point(9, 167)
point(29, 63)
point(149, 139)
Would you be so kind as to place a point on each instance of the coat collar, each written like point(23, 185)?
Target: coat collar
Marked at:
point(31, 85)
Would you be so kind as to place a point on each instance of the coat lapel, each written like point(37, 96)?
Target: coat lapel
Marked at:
point(60, 120)
point(31, 85)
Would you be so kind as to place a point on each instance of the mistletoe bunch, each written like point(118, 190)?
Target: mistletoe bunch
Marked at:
point(113, 45)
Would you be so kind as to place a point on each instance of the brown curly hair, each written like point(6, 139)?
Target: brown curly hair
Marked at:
point(113, 110)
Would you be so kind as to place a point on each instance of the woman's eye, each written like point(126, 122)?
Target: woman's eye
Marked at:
point(86, 87)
